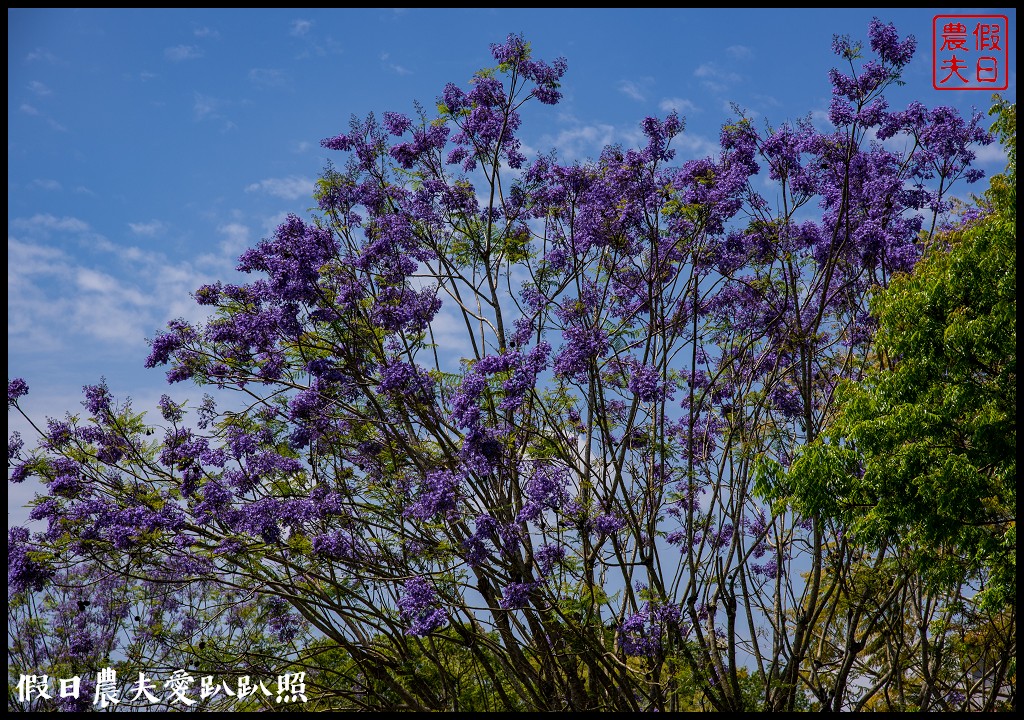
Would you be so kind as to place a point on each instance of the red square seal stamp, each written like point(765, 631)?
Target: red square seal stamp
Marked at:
point(970, 52)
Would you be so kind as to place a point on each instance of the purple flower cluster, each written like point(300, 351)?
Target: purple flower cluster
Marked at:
point(420, 607)
point(645, 383)
point(516, 595)
point(515, 52)
point(16, 388)
point(768, 569)
point(97, 398)
point(170, 410)
point(548, 556)
point(23, 571)
point(582, 347)
point(640, 635)
point(546, 489)
point(292, 259)
point(608, 524)
point(438, 495)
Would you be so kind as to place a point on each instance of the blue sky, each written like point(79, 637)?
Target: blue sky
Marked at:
point(148, 148)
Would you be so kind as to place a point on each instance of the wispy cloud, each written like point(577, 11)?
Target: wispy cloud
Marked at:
point(739, 52)
point(34, 111)
point(236, 238)
point(45, 223)
point(115, 294)
point(994, 153)
point(41, 53)
point(149, 229)
point(38, 88)
point(582, 142)
point(268, 77)
point(289, 188)
point(767, 100)
point(182, 52)
point(631, 90)
point(690, 145)
point(46, 184)
point(394, 67)
point(300, 28)
point(716, 78)
point(206, 107)
point(206, 32)
point(680, 105)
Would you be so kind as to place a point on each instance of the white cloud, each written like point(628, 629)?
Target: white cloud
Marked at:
point(115, 300)
point(631, 89)
point(582, 142)
point(39, 89)
point(300, 28)
point(289, 188)
point(32, 110)
point(993, 153)
point(739, 52)
point(46, 184)
point(206, 32)
point(767, 100)
point(47, 222)
point(207, 107)
point(149, 229)
point(680, 105)
point(41, 53)
point(182, 52)
point(268, 77)
point(713, 70)
point(28, 259)
point(689, 146)
point(715, 77)
point(204, 106)
point(394, 67)
point(236, 239)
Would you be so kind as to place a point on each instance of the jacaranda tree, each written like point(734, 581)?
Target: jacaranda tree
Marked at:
point(584, 504)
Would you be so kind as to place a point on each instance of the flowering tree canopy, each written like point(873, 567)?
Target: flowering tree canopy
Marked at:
point(509, 433)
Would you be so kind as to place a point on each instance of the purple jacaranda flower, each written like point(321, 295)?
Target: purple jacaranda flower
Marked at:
point(645, 383)
point(769, 569)
point(546, 489)
point(97, 398)
point(420, 608)
point(516, 595)
point(16, 388)
point(24, 572)
point(14, 446)
point(637, 637)
point(438, 495)
point(608, 524)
